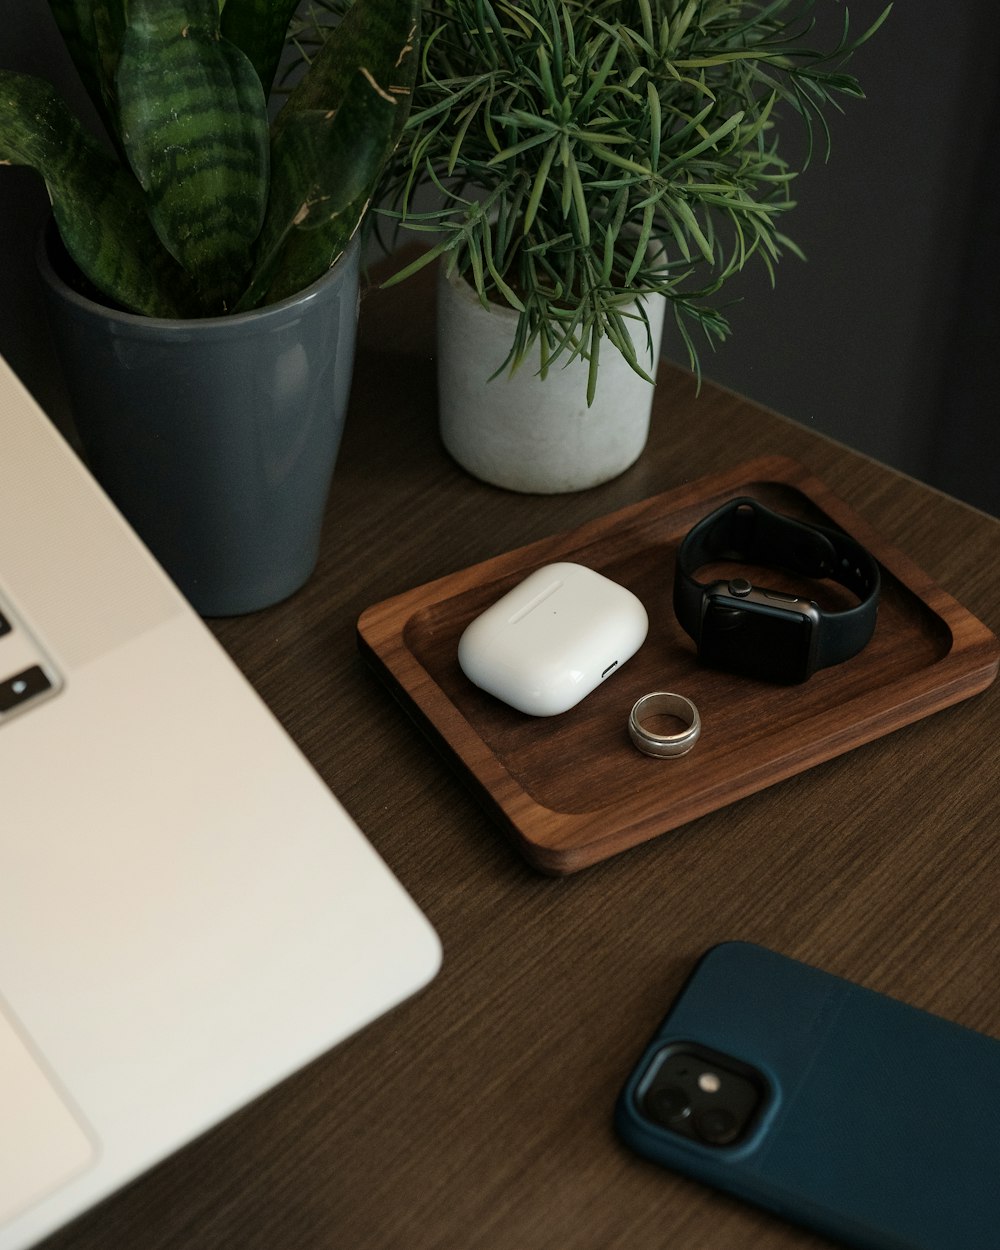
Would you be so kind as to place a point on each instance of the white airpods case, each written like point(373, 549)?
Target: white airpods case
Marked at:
point(552, 639)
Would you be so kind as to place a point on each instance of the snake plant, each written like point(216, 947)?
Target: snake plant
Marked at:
point(198, 205)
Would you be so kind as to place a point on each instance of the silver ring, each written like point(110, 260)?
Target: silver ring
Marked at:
point(661, 702)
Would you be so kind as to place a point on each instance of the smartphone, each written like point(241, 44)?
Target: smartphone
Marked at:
point(829, 1104)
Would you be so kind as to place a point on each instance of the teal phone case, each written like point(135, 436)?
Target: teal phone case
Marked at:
point(880, 1124)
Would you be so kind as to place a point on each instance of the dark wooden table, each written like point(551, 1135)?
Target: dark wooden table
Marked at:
point(478, 1115)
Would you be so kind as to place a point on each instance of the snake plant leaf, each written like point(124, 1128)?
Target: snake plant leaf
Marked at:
point(380, 35)
point(324, 166)
point(194, 125)
point(258, 28)
point(330, 144)
point(95, 201)
point(92, 31)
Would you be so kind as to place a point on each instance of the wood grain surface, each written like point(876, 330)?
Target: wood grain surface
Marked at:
point(477, 1116)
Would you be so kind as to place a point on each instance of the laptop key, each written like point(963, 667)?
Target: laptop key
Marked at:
point(22, 687)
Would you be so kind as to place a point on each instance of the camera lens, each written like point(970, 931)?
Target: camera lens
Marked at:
point(718, 1127)
point(667, 1105)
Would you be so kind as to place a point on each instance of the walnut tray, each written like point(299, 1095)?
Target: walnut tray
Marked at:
point(571, 790)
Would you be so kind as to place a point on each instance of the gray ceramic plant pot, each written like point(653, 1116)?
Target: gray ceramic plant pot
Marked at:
point(216, 438)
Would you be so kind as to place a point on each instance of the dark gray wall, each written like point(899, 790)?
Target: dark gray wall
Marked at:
point(887, 338)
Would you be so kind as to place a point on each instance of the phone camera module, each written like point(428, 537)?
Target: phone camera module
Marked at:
point(712, 1098)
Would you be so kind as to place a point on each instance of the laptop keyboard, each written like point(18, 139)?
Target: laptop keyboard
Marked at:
point(26, 675)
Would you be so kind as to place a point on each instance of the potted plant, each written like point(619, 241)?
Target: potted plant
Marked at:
point(590, 163)
point(203, 266)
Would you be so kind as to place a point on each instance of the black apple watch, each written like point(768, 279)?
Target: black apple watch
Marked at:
point(766, 633)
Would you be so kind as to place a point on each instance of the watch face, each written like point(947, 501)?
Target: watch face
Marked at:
point(758, 633)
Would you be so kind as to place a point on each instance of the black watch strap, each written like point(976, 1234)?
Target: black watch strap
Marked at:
point(745, 530)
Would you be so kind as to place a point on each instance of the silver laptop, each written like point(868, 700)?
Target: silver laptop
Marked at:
point(187, 915)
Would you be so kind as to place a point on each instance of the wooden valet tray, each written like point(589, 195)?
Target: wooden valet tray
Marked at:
point(572, 790)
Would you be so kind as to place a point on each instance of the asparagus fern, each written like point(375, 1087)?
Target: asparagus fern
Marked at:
point(559, 138)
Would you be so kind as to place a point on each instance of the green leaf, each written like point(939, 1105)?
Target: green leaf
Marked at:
point(379, 35)
point(258, 28)
point(464, 122)
point(538, 186)
point(600, 78)
point(92, 31)
point(331, 142)
point(620, 162)
point(509, 295)
point(545, 132)
point(194, 125)
point(655, 124)
point(642, 243)
point(96, 203)
point(324, 167)
point(712, 140)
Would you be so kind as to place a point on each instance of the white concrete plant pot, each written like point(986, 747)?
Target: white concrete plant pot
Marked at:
point(526, 434)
